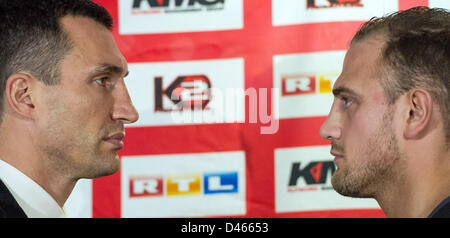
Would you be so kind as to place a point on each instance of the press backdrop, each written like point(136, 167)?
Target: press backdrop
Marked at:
point(231, 96)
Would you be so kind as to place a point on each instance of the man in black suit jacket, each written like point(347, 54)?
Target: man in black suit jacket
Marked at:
point(63, 100)
point(389, 123)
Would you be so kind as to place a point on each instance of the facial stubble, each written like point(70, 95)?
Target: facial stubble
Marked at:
point(74, 150)
point(375, 167)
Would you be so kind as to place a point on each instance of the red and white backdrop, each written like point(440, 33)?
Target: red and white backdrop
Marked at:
point(231, 96)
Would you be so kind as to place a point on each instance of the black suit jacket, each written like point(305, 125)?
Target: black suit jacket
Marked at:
point(9, 208)
point(442, 210)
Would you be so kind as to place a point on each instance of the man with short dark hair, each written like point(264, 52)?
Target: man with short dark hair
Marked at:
point(389, 123)
point(63, 102)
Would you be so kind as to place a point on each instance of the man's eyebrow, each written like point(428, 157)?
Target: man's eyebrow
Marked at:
point(109, 68)
point(341, 89)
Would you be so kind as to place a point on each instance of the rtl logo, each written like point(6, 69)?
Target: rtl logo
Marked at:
point(299, 84)
point(191, 92)
point(186, 184)
point(293, 85)
point(314, 174)
point(146, 186)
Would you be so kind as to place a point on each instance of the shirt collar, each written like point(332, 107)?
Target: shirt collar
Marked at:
point(32, 198)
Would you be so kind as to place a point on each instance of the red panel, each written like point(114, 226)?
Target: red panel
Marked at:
point(106, 196)
point(182, 139)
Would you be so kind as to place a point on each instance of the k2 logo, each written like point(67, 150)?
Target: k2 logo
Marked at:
point(186, 92)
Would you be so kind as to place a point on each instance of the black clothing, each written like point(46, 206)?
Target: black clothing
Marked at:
point(9, 208)
point(442, 210)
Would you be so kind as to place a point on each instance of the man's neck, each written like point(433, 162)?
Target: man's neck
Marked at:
point(55, 185)
point(34, 165)
point(420, 189)
point(409, 204)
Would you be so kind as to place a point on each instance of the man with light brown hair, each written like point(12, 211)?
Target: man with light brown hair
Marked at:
point(389, 123)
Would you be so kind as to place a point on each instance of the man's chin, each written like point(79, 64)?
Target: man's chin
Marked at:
point(105, 165)
point(341, 186)
point(114, 165)
point(344, 186)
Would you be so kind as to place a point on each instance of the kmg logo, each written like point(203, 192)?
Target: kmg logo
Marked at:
point(175, 6)
point(183, 184)
point(165, 3)
point(333, 3)
point(311, 177)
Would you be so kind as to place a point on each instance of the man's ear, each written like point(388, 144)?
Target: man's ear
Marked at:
point(18, 91)
point(420, 111)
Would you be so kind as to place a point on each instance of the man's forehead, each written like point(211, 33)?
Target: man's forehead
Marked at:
point(93, 44)
point(81, 26)
point(364, 53)
point(361, 67)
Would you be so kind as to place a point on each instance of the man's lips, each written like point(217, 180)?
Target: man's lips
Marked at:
point(337, 157)
point(116, 139)
point(336, 154)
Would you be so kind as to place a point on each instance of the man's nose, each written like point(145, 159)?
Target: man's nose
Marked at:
point(123, 109)
point(331, 129)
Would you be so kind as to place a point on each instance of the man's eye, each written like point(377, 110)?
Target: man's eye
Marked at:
point(104, 82)
point(101, 81)
point(347, 102)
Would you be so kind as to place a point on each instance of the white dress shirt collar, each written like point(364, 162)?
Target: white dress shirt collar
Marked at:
point(32, 198)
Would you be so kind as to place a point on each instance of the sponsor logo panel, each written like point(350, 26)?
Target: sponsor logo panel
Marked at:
point(183, 185)
point(305, 82)
point(288, 12)
point(303, 181)
point(171, 16)
point(187, 92)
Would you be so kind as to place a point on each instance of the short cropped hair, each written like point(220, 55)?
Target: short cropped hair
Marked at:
point(32, 39)
point(416, 53)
